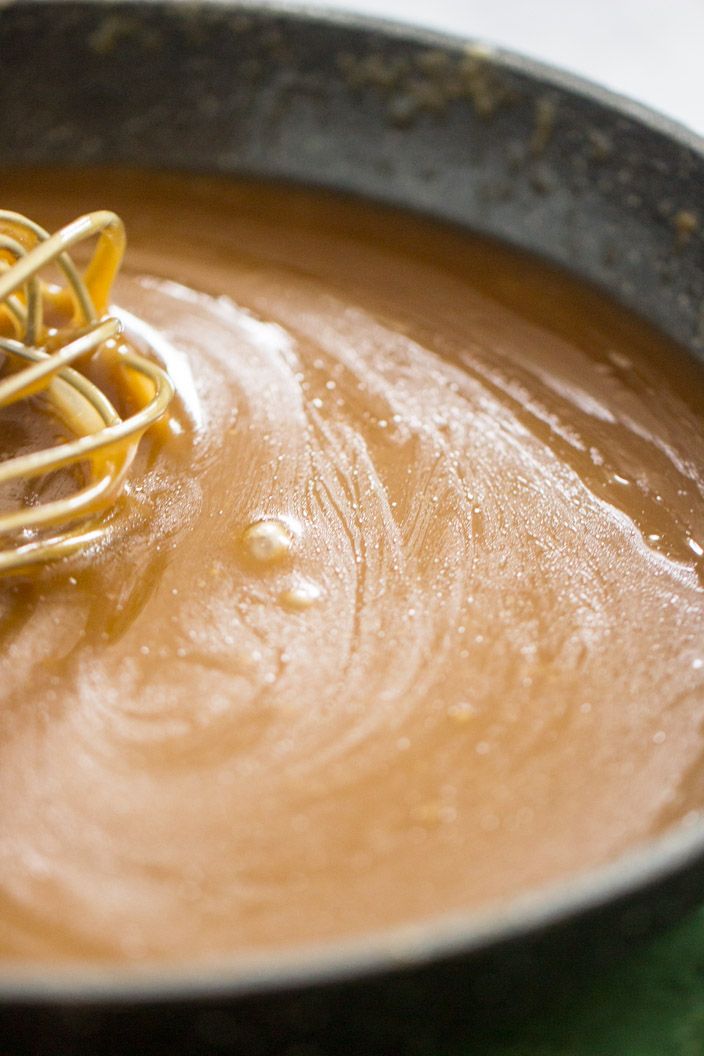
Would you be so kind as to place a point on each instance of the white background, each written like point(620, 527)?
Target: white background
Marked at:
point(651, 50)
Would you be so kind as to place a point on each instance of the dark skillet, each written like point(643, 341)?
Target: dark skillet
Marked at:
point(480, 138)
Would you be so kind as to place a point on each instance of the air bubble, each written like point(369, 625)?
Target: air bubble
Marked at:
point(461, 712)
point(301, 595)
point(267, 542)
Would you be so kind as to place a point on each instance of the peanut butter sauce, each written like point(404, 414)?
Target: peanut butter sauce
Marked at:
point(401, 614)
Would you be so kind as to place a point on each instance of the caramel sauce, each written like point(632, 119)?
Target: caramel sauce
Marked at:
point(402, 614)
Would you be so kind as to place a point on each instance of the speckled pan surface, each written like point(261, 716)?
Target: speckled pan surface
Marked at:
point(462, 133)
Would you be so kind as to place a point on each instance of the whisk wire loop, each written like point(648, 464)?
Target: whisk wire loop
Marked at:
point(39, 361)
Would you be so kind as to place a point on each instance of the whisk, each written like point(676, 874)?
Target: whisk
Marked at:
point(44, 328)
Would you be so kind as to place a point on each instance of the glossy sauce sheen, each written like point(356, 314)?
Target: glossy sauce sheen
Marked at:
point(402, 616)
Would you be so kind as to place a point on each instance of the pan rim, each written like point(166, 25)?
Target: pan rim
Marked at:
point(399, 949)
point(439, 937)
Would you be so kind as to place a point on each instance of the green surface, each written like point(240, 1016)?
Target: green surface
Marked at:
point(650, 1005)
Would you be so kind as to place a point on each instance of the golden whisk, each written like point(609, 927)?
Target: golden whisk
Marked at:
point(37, 359)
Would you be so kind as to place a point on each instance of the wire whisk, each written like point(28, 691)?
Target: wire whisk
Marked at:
point(45, 327)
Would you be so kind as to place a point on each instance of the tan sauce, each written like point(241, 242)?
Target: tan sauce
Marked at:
point(406, 617)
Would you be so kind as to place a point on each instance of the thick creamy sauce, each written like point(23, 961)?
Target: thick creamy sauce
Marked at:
point(403, 614)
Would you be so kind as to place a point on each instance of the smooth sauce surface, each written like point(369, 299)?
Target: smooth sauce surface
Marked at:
point(405, 617)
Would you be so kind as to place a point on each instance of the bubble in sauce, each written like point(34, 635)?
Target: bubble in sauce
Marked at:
point(301, 595)
point(267, 541)
point(461, 712)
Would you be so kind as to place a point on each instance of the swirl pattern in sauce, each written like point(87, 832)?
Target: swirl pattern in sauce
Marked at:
point(405, 618)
